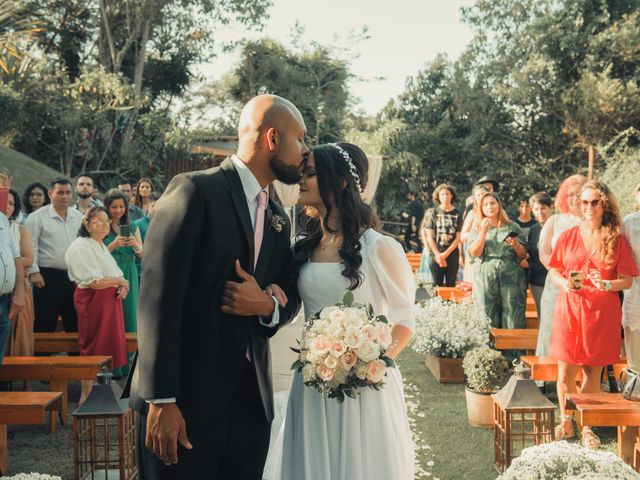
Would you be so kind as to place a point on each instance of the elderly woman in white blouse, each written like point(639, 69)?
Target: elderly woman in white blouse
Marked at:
point(100, 289)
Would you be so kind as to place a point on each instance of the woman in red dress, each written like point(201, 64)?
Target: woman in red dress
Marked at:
point(591, 263)
point(100, 289)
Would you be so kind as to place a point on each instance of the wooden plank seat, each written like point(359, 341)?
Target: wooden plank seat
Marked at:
point(514, 338)
point(609, 410)
point(57, 370)
point(59, 342)
point(546, 368)
point(414, 260)
point(454, 294)
point(25, 408)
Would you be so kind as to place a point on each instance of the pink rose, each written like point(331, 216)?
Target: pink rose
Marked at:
point(348, 360)
point(368, 332)
point(319, 346)
point(338, 348)
point(325, 373)
point(376, 370)
point(383, 333)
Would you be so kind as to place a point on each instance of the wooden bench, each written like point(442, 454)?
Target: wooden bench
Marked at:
point(57, 370)
point(546, 368)
point(610, 410)
point(59, 342)
point(414, 260)
point(25, 408)
point(454, 294)
point(514, 338)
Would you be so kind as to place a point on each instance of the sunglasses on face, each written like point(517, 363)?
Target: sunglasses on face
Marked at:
point(594, 203)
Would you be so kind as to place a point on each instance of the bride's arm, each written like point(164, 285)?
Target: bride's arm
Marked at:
point(397, 289)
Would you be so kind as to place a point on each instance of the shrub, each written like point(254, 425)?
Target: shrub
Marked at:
point(484, 368)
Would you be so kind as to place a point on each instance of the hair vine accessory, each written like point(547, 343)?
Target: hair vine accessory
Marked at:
point(352, 167)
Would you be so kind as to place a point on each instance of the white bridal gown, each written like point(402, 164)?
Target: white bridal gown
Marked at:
point(363, 438)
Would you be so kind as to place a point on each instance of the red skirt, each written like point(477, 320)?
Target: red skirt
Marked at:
point(101, 324)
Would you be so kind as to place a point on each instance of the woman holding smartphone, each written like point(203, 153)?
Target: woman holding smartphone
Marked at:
point(498, 246)
point(125, 244)
point(590, 264)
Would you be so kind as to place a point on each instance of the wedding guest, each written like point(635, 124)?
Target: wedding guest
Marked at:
point(143, 189)
point(101, 287)
point(35, 196)
point(135, 213)
point(588, 315)
point(524, 220)
point(425, 259)
point(125, 249)
point(541, 205)
point(568, 214)
point(468, 224)
point(631, 304)
point(21, 339)
point(53, 228)
point(413, 215)
point(498, 246)
point(486, 182)
point(142, 224)
point(443, 236)
point(84, 192)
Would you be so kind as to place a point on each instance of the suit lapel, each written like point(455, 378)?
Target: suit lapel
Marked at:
point(240, 205)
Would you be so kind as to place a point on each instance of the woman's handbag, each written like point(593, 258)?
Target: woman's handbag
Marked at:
point(631, 390)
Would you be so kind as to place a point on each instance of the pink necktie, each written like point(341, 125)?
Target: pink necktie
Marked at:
point(258, 231)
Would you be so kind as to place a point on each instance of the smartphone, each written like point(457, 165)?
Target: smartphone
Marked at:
point(575, 280)
point(125, 230)
point(510, 235)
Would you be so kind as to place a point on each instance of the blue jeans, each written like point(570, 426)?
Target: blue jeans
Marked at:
point(5, 325)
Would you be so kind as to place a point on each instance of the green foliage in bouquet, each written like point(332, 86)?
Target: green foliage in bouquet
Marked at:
point(484, 368)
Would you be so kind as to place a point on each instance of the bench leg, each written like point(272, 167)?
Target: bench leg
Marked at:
point(61, 386)
point(626, 443)
point(4, 451)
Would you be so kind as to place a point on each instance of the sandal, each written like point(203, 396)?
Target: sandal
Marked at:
point(590, 439)
point(561, 432)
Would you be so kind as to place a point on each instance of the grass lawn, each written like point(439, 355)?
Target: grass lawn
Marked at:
point(447, 447)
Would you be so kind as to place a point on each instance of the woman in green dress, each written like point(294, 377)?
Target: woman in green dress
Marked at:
point(125, 249)
point(499, 287)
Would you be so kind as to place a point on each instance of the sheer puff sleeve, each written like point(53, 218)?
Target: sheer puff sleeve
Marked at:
point(391, 268)
point(88, 261)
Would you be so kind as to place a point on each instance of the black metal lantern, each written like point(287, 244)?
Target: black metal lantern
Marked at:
point(522, 417)
point(104, 434)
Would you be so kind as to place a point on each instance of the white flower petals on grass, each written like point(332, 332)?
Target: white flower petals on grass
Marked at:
point(415, 411)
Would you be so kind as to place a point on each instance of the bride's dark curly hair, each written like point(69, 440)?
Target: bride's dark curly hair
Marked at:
point(336, 181)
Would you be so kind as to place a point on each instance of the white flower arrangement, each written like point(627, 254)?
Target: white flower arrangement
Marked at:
point(569, 461)
point(447, 329)
point(343, 350)
point(32, 476)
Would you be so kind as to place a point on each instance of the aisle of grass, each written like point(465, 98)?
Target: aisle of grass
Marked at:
point(457, 450)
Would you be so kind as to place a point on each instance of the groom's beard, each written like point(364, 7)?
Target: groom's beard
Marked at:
point(285, 173)
point(84, 195)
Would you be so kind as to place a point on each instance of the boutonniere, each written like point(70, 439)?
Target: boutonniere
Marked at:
point(277, 223)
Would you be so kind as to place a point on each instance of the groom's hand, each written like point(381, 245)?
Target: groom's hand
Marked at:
point(165, 428)
point(246, 298)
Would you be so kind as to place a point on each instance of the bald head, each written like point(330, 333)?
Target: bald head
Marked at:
point(262, 113)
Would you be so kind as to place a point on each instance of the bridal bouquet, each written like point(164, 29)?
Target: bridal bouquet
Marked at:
point(342, 350)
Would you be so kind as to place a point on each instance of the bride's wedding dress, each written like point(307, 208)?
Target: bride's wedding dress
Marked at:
point(363, 438)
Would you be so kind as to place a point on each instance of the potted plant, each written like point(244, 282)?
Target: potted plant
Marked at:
point(485, 371)
point(444, 332)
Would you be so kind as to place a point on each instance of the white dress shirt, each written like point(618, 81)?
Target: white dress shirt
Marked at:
point(51, 236)
point(631, 304)
point(89, 261)
point(8, 254)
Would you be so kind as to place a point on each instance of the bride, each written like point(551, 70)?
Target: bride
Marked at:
point(367, 437)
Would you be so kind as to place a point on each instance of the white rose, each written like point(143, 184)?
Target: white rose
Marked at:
point(368, 331)
point(352, 321)
point(331, 361)
point(383, 335)
point(326, 312)
point(361, 371)
point(325, 373)
point(352, 338)
point(308, 372)
point(319, 346)
point(368, 351)
point(336, 316)
point(376, 370)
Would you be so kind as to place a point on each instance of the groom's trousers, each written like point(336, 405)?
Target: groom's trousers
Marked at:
point(232, 447)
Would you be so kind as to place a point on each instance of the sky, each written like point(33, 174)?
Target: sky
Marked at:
point(404, 36)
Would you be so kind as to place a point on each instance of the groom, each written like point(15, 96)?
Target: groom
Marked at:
point(202, 378)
